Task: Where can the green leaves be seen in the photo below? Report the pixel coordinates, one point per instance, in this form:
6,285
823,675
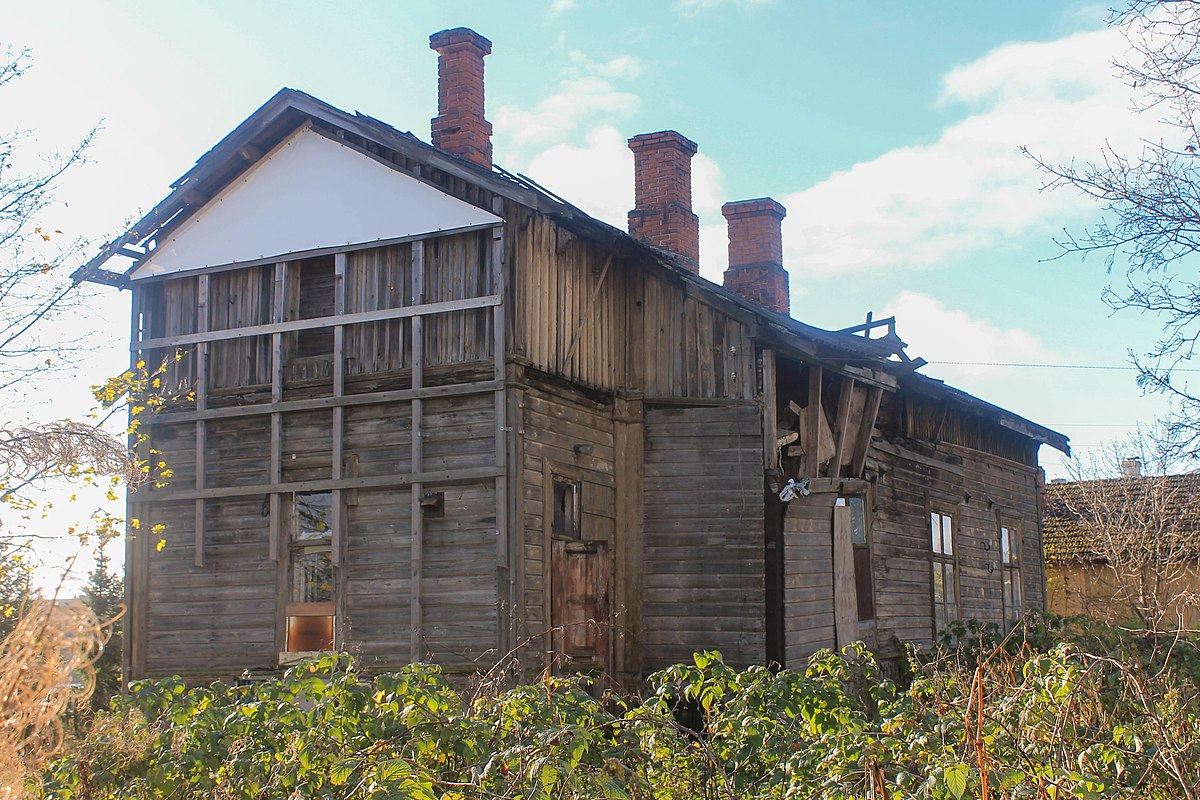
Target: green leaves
1060,723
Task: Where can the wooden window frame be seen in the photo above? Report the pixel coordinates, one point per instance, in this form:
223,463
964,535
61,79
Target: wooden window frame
940,561
865,601
1012,606
298,610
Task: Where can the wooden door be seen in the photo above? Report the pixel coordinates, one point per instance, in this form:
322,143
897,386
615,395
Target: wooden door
579,576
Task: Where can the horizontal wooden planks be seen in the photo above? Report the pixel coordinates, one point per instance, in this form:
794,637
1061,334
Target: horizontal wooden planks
704,570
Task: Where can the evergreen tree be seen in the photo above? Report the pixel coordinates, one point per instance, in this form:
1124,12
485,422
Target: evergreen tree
105,596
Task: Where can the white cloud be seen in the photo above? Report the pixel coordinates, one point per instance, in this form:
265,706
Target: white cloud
695,6
971,189
561,7
585,93
941,334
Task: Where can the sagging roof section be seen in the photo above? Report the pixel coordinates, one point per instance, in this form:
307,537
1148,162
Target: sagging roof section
881,358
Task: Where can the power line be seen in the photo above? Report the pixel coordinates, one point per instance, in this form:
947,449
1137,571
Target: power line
1116,367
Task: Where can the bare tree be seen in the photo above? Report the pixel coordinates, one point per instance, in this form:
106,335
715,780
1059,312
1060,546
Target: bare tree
1123,538
34,257
1150,227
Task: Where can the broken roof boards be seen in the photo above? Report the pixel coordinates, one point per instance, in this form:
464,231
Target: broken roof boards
310,192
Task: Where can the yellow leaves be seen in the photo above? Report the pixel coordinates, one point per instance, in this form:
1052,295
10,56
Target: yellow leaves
135,523
157,530
161,544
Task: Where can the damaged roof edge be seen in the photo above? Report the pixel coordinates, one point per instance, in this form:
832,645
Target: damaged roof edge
931,387
214,166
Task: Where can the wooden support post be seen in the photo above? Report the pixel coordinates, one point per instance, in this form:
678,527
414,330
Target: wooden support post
843,424
276,466
845,596
770,433
505,556
629,429
812,420
416,515
137,575
865,432
338,510
201,391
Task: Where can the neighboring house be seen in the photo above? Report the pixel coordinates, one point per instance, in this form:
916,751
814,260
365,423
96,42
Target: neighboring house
440,413
1125,549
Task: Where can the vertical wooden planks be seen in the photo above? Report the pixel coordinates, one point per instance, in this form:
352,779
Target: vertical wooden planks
201,390
845,597
277,312
770,434
629,434
813,414
415,514
338,456
505,558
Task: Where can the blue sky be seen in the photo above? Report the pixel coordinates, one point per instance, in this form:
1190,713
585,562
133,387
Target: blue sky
889,130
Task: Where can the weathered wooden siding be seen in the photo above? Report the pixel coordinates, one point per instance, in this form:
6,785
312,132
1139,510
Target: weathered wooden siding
704,572
552,422
208,606
808,607
977,489
611,324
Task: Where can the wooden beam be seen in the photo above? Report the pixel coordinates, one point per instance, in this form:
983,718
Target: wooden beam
372,398
866,431
812,425
201,391
841,426
845,596
317,323
416,515
770,434
339,388
447,477
506,551
276,465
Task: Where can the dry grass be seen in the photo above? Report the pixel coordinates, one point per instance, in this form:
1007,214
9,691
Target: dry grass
45,669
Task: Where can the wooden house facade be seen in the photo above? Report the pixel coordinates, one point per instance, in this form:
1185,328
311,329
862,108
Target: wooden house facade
433,411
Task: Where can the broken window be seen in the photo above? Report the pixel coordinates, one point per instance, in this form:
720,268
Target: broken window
567,523
945,577
310,609
863,578
1010,570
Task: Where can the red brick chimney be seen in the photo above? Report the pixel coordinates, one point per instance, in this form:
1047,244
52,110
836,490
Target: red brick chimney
662,189
756,252
459,127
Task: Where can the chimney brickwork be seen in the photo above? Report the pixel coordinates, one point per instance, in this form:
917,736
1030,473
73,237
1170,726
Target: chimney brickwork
662,180
459,127
756,252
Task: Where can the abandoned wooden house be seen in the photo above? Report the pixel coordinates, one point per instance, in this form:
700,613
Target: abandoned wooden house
437,412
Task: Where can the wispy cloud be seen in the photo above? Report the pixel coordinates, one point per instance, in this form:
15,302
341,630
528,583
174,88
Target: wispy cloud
586,94
558,7
696,6
970,189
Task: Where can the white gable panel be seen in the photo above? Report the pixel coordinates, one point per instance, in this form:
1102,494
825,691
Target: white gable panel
309,193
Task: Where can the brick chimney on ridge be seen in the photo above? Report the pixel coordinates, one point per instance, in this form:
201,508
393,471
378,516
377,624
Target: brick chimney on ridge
756,252
662,186
459,127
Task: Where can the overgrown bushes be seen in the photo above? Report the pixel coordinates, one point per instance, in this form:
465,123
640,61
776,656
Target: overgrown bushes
1047,712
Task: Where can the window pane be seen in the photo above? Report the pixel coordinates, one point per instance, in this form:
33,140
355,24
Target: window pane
1008,586
939,586
939,616
947,535
309,633
312,576
314,515
858,520
935,528
951,591
1016,591
566,510
1005,551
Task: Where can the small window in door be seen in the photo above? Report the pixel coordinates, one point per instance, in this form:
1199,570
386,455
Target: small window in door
566,522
